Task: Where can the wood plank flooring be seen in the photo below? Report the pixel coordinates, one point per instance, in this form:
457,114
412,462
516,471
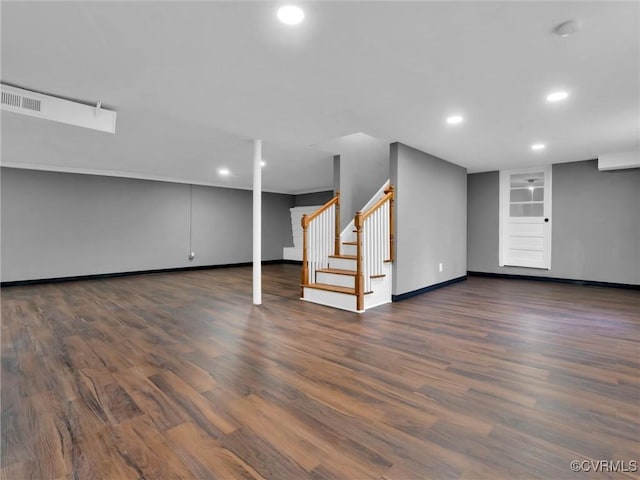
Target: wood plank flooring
179,376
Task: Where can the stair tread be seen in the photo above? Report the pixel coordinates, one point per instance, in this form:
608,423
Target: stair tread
342,271
334,288
338,271
348,257
331,288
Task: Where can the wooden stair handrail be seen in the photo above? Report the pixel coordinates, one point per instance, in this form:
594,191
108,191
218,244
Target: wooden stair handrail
335,199
389,196
306,221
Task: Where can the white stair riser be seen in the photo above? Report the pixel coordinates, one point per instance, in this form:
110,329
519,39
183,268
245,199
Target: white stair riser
380,291
336,279
348,249
342,263
331,299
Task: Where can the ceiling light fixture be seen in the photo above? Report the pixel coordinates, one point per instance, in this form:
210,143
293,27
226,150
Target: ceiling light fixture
455,119
538,146
224,171
531,187
263,163
557,96
290,14
567,28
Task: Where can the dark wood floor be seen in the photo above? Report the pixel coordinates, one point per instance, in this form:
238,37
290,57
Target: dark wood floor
178,376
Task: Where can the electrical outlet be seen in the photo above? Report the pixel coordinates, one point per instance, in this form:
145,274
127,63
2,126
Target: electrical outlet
439,267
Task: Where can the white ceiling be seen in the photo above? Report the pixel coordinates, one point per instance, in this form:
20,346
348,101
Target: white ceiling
193,83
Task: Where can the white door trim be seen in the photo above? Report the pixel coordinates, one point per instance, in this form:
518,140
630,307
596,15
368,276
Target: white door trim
503,201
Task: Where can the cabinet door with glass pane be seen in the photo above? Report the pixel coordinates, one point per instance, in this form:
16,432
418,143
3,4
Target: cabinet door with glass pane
525,218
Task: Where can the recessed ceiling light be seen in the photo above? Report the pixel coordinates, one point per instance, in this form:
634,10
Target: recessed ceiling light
224,171
538,146
557,96
263,163
290,14
453,119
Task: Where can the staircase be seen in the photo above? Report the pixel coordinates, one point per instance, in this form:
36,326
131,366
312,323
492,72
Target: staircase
349,270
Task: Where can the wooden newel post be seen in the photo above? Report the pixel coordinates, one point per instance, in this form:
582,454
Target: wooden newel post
336,243
392,236
304,273
359,223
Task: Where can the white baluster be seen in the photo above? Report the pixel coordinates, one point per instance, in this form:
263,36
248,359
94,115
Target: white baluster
367,253
331,217
319,251
365,257
371,235
378,240
374,234
327,237
310,252
321,239
379,259
385,238
374,241
376,255
315,249
324,238
326,234
385,231
371,231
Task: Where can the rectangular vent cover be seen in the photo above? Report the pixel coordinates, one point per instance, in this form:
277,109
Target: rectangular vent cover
31,104
19,102
48,107
11,99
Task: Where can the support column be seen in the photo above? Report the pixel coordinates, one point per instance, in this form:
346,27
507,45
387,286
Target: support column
257,222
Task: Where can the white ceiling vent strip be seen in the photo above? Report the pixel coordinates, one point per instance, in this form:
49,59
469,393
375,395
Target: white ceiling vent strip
25,102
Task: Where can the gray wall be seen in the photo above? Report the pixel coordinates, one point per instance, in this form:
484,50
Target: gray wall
60,225
595,230
431,219
360,169
311,199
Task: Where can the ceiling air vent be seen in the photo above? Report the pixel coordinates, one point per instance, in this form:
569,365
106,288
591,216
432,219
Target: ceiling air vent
11,99
31,104
17,101
47,107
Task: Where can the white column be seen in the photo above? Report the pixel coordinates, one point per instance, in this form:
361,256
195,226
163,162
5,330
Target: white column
257,222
